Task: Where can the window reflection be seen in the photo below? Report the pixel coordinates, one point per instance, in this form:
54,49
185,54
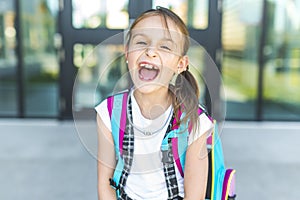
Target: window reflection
196,66
100,13
193,13
8,62
41,68
241,33
103,66
240,40
282,66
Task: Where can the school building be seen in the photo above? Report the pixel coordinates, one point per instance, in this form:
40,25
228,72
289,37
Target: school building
59,58
44,44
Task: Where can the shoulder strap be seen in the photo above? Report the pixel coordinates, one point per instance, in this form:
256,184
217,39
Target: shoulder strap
116,106
220,180
179,140
173,149
217,165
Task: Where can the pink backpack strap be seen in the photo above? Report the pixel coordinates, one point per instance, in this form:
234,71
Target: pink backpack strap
116,106
110,104
123,122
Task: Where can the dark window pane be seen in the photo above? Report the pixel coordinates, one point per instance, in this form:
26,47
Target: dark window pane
41,68
8,63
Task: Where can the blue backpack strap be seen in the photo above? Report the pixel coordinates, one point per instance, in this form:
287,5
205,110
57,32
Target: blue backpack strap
173,149
179,139
217,165
116,106
222,179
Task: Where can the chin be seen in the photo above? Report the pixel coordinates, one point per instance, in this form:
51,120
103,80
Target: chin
146,88
149,87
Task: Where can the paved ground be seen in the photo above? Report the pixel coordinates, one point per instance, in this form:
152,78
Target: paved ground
47,160
266,157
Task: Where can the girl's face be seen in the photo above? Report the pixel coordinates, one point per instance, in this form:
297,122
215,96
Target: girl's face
154,54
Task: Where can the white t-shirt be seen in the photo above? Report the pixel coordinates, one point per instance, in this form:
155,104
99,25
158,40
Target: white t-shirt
146,179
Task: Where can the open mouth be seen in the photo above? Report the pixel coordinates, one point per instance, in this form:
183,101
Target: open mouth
147,71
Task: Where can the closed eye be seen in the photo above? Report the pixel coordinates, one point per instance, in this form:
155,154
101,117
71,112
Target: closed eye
165,47
141,43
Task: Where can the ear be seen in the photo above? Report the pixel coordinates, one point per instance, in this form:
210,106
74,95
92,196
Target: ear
126,52
183,63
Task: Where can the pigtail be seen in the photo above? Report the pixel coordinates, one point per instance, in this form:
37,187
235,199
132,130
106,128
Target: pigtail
186,98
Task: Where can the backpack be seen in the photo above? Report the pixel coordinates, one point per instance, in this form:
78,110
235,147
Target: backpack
221,181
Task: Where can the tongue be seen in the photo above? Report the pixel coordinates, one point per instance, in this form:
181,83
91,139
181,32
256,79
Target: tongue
148,74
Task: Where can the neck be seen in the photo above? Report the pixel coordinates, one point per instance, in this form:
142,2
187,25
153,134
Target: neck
154,104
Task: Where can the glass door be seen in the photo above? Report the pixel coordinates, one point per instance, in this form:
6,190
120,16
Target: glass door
40,62
8,60
90,23
29,65
240,38
261,62
281,72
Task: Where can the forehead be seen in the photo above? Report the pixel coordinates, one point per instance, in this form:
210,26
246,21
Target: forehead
155,26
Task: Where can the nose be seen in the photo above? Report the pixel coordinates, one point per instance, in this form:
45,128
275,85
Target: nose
151,51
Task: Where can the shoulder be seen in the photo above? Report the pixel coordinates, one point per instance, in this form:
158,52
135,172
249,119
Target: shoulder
203,113
101,106
206,121
104,104
204,126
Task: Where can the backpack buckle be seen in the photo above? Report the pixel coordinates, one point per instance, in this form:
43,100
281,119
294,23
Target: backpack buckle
113,184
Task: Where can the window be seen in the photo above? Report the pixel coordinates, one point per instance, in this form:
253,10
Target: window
8,60
193,13
93,14
41,67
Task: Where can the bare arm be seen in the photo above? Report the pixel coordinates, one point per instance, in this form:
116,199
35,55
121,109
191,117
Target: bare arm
196,170
106,162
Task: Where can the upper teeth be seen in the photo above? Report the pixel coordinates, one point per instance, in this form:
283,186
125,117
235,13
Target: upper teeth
148,66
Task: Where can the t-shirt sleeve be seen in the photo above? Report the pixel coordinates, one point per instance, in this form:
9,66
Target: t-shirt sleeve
205,124
102,111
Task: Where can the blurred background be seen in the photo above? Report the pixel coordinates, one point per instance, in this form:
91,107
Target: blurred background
255,45
43,43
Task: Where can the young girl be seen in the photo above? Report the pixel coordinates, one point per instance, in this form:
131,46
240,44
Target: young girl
159,112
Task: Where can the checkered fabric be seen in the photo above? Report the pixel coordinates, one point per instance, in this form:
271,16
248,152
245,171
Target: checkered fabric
128,147
128,150
169,169
123,196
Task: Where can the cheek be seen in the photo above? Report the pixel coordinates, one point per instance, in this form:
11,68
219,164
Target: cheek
169,71
131,58
172,64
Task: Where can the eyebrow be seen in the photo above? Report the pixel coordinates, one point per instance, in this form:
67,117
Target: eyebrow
144,35
138,34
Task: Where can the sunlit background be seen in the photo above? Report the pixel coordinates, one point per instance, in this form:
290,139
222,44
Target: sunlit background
44,43
260,62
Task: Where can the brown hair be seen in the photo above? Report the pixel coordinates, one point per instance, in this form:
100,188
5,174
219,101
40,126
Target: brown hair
185,92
